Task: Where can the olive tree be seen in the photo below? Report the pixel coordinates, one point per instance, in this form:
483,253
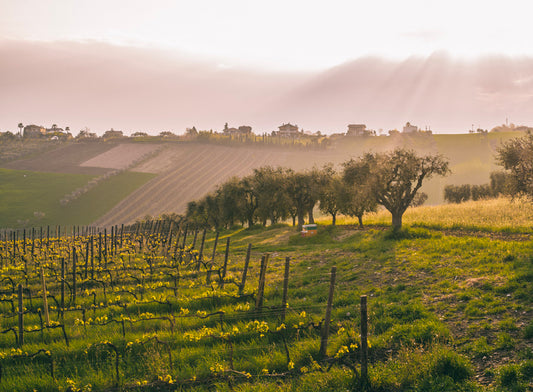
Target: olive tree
357,197
516,156
395,177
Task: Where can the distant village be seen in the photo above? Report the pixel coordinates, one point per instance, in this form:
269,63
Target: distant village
285,131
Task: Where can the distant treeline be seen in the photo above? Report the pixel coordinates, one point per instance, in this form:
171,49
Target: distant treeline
500,184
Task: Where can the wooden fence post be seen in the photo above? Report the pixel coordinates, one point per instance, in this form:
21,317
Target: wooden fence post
327,319
364,342
261,284
21,316
245,270
285,289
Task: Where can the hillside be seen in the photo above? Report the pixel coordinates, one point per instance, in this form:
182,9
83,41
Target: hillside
449,308
184,171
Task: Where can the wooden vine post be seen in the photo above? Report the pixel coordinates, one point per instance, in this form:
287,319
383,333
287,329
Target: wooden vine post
201,252
245,270
185,236
285,289
225,266
74,262
364,342
209,271
62,288
261,284
21,316
45,298
327,319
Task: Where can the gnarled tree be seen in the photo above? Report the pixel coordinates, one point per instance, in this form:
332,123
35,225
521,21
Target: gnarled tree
395,177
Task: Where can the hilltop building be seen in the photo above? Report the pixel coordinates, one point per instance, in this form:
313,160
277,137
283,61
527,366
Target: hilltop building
34,131
288,130
408,128
242,130
356,130
112,134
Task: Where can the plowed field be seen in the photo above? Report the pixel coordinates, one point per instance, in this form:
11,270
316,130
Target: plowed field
188,171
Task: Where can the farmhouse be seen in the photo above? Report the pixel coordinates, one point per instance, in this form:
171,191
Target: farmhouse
34,131
242,130
288,130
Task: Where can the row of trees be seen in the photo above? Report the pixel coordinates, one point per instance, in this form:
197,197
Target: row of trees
516,157
499,185
272,195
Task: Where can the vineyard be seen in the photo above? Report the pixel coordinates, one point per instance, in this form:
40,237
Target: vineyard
134,305
154,306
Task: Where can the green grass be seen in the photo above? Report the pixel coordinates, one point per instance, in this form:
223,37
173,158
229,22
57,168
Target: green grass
448,311
25,196
23,193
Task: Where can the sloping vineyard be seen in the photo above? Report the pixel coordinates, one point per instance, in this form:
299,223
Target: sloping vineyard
158,306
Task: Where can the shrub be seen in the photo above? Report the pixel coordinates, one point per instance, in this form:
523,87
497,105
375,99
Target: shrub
457,193
499,183
479,192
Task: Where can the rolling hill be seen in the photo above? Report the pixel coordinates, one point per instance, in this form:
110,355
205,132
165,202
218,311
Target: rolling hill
178,172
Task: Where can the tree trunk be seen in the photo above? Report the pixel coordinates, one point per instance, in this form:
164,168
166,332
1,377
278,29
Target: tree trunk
360,218
333,219
396,221
300,220
293,220
311,217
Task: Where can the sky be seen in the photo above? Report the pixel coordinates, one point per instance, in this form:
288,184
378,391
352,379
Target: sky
287,45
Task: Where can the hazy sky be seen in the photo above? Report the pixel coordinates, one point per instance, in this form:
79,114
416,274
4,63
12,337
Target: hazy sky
281,34
166,65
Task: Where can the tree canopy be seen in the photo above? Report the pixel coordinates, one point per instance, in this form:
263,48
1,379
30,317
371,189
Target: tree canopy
516,156
395,178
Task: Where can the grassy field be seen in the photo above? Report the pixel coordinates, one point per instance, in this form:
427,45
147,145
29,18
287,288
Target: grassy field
450,309
29,198
494,215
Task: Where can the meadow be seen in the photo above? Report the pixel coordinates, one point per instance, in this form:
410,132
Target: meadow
449,307
30,198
